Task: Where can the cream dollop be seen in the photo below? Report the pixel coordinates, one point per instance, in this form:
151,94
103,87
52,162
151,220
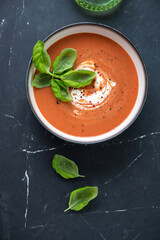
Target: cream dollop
89,99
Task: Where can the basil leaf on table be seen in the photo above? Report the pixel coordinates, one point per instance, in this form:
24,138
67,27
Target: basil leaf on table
65,167
42,80
80,197
64,61
41,59
60,90
78,78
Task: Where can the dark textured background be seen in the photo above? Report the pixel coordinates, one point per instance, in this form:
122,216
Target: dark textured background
126,169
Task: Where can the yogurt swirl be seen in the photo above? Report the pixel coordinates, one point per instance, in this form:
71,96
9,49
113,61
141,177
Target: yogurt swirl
93,96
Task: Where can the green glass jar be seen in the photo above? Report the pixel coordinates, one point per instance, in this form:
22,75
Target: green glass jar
99,6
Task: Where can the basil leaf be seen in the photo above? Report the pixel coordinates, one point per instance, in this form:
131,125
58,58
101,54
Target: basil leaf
60,90
80,197
65,167
78,78
55,63
42,80
41,59
65,61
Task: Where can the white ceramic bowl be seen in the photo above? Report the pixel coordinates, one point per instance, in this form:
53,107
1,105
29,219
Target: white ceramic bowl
125,44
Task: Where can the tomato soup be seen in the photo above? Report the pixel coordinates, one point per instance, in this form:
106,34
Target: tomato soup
101,106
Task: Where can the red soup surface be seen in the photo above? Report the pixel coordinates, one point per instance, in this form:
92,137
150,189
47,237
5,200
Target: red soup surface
101,106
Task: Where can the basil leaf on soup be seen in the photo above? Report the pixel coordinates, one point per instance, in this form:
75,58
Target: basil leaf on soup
55,63
41,59
80,197
65,61
42,80
60,90
65,167
78,78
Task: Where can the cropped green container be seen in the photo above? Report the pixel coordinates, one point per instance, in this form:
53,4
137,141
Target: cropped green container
99,7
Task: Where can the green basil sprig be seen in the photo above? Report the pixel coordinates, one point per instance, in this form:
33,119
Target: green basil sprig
55,63
65,61
60,90
42,80
78,78
80,197
61,74
41,59
65,167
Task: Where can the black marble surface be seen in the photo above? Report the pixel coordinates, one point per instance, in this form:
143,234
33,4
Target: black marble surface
126,169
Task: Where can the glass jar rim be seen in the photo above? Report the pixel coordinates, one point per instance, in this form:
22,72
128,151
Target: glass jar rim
97,7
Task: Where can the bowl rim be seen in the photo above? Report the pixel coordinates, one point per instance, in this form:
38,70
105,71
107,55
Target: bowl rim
90,141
